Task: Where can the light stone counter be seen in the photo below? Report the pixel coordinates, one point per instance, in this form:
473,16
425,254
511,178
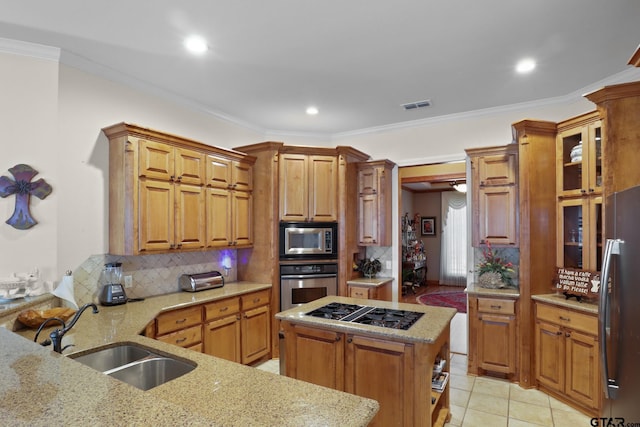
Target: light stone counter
477,291
559,299
426,330
373,282
40,387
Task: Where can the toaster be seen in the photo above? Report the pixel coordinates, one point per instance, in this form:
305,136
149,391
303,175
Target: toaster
201,281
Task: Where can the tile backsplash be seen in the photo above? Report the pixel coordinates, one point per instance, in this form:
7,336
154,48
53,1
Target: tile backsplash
151,274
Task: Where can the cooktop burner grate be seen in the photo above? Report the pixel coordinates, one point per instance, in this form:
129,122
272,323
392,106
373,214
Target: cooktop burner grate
374,316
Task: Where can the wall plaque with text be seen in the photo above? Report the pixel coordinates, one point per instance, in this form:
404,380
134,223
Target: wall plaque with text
578,283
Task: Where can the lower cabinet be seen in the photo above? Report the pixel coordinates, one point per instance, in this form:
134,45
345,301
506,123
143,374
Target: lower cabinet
492,336
235,328
567,360
238,328
395,373
381,292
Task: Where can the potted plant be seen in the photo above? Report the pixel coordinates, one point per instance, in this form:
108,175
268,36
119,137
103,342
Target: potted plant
370,267
494,271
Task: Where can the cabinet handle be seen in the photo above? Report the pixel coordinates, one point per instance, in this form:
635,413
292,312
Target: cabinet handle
181,321
568,335
179,245
591,190
256,300
172,246
237,317
178,341
337,338
172,178
559,333
223,309
349,340
179,178
496,307
566,319
582,190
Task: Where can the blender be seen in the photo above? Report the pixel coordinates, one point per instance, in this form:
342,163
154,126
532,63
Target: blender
112,291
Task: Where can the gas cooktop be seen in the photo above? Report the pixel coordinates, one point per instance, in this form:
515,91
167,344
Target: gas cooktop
366,315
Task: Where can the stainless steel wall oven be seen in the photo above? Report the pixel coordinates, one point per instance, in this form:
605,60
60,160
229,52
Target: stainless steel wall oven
301,283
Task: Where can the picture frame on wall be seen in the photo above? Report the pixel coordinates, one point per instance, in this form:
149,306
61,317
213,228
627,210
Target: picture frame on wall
428,226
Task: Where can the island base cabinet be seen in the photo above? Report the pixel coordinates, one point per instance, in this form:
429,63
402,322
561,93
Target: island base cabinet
394,390
397,374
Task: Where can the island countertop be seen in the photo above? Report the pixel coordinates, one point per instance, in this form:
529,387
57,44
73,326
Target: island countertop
426,330
40,387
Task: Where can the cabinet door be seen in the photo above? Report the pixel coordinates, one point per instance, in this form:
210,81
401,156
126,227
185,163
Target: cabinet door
219,231
323,186
222,338
579,233
187,338
497,216
190,216
294,187
189,167
582,378
218,172
368,181
156,160
368,221
394,390
156,215
497,343
359,292
242,176
550,355
256,330
242,218
498,169
315,355
580,174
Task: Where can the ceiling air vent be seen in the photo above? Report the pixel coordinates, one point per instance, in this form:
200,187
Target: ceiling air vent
417,104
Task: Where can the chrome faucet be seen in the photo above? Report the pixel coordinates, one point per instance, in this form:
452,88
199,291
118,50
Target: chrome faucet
57,334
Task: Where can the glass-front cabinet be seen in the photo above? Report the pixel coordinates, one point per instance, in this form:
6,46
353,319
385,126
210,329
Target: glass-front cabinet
580,233
579,156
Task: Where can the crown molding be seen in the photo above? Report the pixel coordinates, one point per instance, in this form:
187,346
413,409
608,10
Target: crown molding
32,50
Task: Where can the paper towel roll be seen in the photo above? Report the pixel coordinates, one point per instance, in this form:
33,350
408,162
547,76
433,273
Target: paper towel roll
64,290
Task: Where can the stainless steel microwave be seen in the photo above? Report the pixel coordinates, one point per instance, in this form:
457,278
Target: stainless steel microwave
308,240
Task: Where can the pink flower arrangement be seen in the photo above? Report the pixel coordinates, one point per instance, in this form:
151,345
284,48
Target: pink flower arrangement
493,263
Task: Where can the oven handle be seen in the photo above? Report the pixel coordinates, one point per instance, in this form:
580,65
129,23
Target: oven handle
308,276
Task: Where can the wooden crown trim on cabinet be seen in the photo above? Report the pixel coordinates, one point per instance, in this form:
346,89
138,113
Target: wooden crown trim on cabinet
143,168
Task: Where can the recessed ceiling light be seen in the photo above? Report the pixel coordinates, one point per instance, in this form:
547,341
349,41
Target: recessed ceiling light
525,65
312,111
196,44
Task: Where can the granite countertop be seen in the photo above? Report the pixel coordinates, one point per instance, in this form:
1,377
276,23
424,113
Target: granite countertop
560,300
426,330
373,281
477,291
40,387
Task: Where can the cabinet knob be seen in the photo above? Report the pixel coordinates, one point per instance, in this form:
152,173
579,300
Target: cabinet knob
349,340
337,338
179,178
559,333
565,319
496,307
591,190
178,341
568,335
583,191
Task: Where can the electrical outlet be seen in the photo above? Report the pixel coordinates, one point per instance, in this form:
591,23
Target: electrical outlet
128,281
387,265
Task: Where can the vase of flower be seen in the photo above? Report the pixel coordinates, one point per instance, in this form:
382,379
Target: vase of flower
494,272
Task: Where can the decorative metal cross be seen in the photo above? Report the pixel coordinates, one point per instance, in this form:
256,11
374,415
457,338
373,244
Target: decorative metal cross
22,187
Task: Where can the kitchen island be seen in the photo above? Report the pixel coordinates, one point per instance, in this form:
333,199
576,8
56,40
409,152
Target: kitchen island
40,387
392,366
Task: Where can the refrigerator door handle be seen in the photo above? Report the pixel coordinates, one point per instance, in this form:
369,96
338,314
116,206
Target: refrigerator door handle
611,248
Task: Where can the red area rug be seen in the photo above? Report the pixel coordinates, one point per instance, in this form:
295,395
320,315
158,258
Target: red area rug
455,299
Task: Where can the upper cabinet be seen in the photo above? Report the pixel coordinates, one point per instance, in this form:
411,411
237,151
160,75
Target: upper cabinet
579,145
494,195
160,193
308,187
374,203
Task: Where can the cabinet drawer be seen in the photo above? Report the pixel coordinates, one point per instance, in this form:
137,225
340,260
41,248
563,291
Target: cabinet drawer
178,319
184,338
357,292
587,323
224,307
494,305
255,299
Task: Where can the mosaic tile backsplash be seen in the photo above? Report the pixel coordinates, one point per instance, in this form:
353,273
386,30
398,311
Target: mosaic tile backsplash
151,274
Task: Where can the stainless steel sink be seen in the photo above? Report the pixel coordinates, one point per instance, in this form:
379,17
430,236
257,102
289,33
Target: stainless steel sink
108,358
135,365
149,373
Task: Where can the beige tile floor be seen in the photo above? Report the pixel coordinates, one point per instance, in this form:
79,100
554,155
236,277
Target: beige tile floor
489,402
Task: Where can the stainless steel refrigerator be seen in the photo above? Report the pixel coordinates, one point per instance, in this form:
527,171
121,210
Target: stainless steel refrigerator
619,308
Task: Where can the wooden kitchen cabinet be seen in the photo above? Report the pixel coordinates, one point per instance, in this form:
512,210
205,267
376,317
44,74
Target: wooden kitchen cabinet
374,203
494,195
229,203
395,373
380,292
180,327
238,328
492,335
567,359
158,190
579,191
308,187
